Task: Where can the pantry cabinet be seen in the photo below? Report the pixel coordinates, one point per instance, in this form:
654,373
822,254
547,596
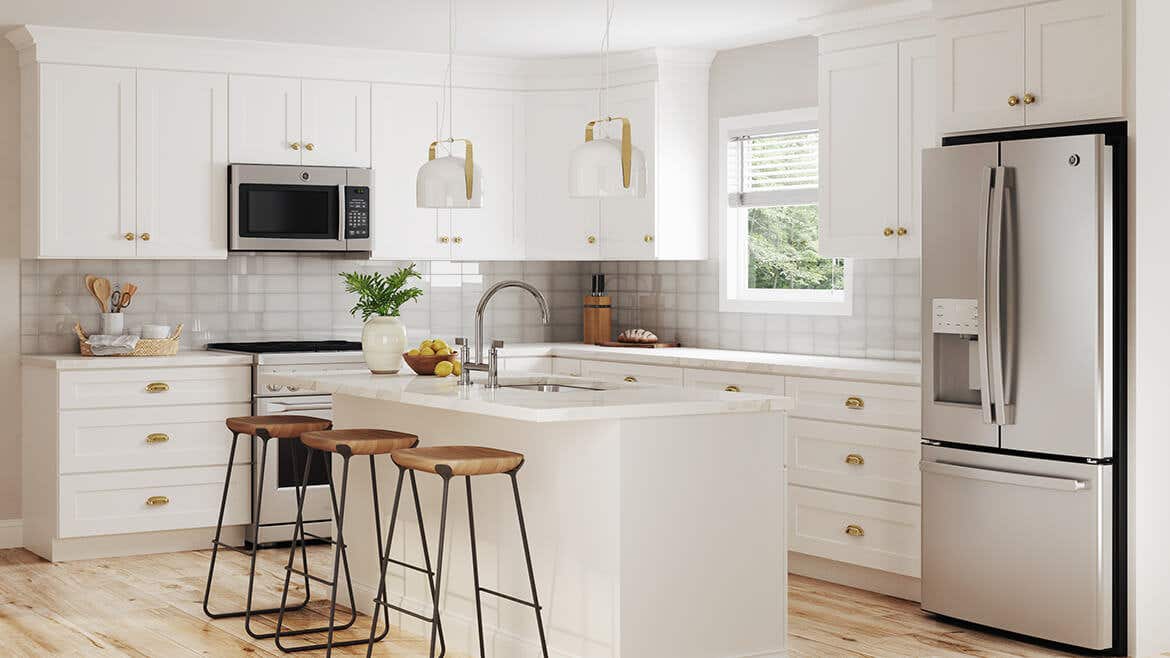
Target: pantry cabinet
300,122
1037,64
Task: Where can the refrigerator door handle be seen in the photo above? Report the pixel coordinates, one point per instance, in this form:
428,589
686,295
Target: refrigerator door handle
994,283
985,394
1003,477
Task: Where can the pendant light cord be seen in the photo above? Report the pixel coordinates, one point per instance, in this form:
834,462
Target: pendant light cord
603,93
447,110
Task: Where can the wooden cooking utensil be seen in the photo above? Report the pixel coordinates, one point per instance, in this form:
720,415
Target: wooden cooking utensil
101,291
89,281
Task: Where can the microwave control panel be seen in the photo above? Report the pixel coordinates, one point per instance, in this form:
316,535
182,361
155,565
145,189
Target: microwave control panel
357,212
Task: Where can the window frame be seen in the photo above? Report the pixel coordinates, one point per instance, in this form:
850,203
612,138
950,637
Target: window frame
734,295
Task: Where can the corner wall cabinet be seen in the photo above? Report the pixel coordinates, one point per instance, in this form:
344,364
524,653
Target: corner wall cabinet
1030,65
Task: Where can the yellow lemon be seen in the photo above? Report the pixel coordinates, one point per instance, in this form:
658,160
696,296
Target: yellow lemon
444,368
457,368
437,345
426,351
425,344
442,351
413,352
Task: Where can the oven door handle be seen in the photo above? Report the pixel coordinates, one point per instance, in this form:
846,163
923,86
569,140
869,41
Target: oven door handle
284,406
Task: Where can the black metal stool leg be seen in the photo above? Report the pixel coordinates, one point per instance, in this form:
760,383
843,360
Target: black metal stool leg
227,481
528,560
475,568
384,561
297,532
381,592
346,455
422,533
444,471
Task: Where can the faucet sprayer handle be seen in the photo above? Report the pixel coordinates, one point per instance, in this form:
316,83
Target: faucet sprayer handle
497,344
461,341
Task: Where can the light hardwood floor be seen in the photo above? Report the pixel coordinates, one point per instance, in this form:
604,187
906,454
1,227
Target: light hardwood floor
151,606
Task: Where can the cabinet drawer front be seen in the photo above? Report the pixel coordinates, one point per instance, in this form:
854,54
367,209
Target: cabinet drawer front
570,367
871,533
154,387
738,382
115,503
522,364
861,403
870,461
161,437
632,373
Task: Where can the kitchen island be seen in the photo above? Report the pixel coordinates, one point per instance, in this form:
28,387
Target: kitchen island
655,514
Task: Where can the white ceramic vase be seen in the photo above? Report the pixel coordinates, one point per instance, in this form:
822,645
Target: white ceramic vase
383,342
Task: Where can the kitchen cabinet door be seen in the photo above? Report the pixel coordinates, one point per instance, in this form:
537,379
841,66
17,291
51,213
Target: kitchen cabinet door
859,152
405,121
1073,59
916,131
981,69
627,225
494,122
182,164
264,115
86,186
556,226
335,123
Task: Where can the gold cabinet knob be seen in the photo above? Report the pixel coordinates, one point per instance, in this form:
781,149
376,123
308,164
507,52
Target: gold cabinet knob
648,238
157,437
458,239
296,146
592,239
887,231
144,236
129,237
444,239
731,389
157,387
854,459
1029,99
902,230
155,501
854,402
1013,100
854,530
630,379
309,146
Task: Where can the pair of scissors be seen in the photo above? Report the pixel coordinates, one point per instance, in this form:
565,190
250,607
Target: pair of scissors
120,300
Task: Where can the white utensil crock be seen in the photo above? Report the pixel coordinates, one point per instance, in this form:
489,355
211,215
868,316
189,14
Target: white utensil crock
112,324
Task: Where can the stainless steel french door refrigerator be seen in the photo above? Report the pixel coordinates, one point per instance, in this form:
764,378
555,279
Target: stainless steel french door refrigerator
1020,376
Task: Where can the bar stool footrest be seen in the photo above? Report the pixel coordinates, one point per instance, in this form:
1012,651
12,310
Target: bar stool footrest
412,613
509,597
318,579
408,565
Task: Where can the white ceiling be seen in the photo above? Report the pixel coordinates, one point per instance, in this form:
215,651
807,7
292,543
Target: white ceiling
524,28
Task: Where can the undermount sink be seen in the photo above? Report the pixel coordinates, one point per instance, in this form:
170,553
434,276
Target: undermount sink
550,388
556,385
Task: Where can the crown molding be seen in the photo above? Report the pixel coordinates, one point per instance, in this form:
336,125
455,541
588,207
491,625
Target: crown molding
874,16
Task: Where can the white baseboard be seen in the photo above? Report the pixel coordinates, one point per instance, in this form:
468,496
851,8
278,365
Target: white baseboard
139,543
851,575
12,533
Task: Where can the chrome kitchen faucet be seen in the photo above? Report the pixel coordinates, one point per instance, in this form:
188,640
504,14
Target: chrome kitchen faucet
492,364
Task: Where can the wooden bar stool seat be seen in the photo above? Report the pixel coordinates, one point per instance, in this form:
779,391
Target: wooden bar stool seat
277,427
462,460
359,441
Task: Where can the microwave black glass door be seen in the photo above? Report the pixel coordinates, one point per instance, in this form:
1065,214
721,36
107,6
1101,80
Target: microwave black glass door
289,211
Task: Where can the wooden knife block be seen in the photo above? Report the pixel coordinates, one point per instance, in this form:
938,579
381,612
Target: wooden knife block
598,317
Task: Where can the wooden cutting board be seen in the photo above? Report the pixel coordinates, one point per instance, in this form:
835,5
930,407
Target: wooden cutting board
614,343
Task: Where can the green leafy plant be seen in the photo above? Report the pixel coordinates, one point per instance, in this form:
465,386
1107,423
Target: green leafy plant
379,294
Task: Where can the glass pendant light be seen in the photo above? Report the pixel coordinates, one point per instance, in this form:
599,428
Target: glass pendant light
607,167
449,181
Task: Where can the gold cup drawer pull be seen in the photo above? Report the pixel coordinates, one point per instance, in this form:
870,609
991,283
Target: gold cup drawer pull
854,530
854,402
157,387
630,379
157,437
731,389
854,459
155,501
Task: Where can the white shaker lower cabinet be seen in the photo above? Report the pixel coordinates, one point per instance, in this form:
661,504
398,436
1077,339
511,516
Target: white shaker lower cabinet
631,373
113,457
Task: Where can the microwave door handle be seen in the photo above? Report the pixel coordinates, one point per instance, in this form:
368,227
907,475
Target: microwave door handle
341,215
981,302
995,320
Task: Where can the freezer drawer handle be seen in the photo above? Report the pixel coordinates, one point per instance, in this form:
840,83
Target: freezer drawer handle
1003,477
854,530
854,402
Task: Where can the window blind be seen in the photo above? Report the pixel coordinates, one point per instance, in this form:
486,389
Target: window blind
772,169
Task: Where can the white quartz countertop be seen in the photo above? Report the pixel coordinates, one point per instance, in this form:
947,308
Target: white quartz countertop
183,358
768,363
616,401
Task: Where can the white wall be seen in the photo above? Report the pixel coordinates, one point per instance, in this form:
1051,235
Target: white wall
9,283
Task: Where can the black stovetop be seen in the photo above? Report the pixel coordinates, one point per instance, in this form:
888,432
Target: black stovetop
274,346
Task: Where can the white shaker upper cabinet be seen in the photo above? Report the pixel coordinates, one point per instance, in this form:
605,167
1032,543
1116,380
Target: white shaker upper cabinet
627,225
82,173
981,73
1073,61
265,115
494,122
916,131
335,123
557,227
859,152
405,122
182,164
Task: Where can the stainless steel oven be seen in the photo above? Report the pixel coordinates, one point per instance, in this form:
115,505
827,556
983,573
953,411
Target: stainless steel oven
290,208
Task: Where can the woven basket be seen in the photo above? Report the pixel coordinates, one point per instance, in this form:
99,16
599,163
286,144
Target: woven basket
145,347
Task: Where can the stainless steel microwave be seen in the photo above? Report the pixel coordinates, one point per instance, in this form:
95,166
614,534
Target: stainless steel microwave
290,208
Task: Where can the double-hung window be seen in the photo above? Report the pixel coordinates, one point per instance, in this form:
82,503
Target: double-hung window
770,221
